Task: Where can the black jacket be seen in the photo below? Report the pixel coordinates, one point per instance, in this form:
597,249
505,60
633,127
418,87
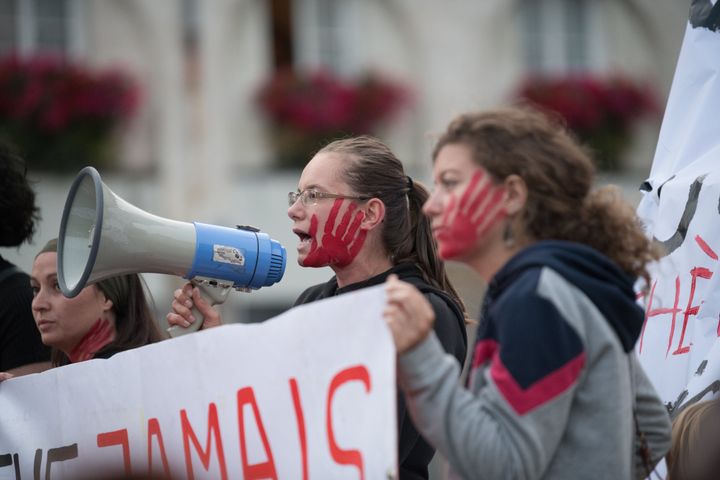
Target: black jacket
414,453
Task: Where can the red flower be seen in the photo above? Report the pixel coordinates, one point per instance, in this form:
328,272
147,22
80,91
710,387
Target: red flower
599,110
321,103
50,93
58,112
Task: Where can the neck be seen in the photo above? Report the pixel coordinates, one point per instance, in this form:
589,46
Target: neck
364,266
491,261
101,333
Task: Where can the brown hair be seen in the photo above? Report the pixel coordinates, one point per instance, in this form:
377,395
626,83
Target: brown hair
373,170
559,175
134,323
695,450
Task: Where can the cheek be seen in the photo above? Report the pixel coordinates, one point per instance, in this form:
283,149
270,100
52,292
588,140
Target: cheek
80,315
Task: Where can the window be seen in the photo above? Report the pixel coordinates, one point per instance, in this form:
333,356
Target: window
326,34
38,25
562,35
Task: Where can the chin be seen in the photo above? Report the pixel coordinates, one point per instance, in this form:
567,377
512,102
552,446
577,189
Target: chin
49,340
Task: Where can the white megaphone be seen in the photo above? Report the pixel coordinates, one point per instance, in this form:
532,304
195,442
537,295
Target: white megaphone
102,235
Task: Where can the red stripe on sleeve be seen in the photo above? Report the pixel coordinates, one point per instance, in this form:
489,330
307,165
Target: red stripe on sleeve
540,392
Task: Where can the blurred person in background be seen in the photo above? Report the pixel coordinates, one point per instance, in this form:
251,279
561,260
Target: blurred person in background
21,350
356,212
695,450
107,317
555,389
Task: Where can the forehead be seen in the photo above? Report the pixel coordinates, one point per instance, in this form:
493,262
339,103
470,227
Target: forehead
455,157
325,170
45,265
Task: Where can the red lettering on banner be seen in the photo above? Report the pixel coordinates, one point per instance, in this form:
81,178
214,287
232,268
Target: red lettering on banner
154,430
691,309
189,434
661,311
246,396
295,391
705,247
345,457
118,437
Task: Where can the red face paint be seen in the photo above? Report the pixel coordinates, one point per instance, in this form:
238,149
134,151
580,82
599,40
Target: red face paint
467,219
97,337
340,247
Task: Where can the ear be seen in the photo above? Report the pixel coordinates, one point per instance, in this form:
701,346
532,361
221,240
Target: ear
516,194
107,304
374,214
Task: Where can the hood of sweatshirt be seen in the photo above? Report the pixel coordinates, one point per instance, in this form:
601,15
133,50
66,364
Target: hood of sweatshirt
598,277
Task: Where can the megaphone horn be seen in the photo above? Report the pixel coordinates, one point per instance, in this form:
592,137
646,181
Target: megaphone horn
102,235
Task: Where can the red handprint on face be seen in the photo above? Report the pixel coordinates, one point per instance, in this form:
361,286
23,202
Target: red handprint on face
97,337
341,247
469,218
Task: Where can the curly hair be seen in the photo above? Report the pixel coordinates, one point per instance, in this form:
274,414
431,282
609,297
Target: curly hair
559,176
18,210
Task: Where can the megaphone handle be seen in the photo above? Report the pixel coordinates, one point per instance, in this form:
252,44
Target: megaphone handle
212,295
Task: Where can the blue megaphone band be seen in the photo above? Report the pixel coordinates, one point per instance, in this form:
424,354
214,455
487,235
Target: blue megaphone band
244,257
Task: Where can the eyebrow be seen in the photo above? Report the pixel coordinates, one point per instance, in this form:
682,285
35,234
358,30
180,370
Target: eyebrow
51,277
449,171
312,187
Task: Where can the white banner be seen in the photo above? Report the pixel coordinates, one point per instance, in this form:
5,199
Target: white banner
680,343
308,394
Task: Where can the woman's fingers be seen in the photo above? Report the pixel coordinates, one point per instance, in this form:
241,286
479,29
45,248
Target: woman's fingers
211,317
181,314
187,298
174,319
5,376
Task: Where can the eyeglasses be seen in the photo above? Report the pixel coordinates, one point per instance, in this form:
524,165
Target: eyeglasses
311,197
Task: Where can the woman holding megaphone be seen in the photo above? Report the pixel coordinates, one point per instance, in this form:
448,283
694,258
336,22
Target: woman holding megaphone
357,212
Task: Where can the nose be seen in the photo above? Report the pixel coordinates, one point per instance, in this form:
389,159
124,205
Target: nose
39,302
433,205
296,210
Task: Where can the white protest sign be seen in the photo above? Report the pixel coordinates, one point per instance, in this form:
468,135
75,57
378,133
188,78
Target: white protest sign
680,343
308,394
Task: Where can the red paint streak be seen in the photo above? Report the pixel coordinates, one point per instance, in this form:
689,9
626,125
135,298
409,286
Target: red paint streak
118,437
295,391
246,396
341,247
705,247
345,457
97,337
691,309
154,430
550,386
468,219
649,312
213,432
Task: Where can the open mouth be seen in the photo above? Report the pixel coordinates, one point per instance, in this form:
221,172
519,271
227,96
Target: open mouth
304,237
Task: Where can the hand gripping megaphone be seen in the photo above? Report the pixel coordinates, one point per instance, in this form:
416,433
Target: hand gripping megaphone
102,235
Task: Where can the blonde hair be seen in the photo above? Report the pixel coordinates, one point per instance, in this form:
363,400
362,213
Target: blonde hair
695,450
